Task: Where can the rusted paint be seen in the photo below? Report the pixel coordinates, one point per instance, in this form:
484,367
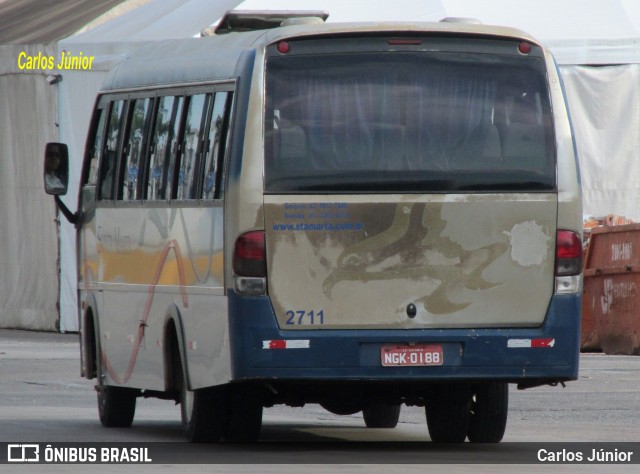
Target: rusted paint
611,298
589,341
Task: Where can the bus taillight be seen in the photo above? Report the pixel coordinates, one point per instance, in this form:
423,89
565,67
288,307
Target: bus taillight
568,262
524,47
249,264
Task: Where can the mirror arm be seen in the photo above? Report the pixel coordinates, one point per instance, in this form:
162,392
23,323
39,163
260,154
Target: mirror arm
73,218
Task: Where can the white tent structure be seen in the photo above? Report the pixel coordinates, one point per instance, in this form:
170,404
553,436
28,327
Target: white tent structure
37,256
596,44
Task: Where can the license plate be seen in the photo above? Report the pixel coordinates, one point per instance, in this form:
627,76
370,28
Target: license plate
411,356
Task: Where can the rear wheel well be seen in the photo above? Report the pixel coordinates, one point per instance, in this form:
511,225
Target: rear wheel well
90,346
172,362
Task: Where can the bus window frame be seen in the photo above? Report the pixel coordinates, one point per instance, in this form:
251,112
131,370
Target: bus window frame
225,146
198,159
106,101
221,151
147,127
118,151
152,150
101,109
175,159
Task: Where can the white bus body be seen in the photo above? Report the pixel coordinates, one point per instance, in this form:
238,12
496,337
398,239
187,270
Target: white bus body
356,215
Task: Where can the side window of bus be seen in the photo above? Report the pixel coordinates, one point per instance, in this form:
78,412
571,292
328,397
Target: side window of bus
164,147
134,151
96,146
213,166
112,144
192,147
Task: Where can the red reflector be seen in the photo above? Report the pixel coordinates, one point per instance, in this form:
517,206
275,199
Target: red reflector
524,47
283,47
568,245
278,344
549,342
249,255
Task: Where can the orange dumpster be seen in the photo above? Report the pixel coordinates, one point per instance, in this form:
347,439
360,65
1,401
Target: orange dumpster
611,300
589,340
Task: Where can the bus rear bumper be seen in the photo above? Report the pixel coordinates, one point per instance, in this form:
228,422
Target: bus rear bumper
528,356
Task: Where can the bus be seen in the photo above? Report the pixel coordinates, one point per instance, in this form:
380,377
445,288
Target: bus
360,216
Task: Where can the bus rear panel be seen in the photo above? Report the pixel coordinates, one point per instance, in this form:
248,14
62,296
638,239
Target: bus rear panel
413,229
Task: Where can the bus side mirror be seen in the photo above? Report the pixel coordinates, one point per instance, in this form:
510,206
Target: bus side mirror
56,169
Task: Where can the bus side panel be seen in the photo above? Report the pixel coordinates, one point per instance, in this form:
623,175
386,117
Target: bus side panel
569,184
87,261
244,183
154,263
130,355
206,341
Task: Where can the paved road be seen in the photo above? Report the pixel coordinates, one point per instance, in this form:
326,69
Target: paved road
43,399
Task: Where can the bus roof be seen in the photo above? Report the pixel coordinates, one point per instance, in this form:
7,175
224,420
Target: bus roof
194,60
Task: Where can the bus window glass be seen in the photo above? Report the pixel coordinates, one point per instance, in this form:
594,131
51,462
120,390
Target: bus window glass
408,122
135,149
165,145
112,140
95,149
192,147
213,163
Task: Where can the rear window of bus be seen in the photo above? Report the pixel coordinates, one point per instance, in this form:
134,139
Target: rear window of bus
408,121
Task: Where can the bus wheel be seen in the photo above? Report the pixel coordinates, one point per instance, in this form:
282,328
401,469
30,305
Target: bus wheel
381,415
244,414
346,406
489,408
448,412
116,406
202,411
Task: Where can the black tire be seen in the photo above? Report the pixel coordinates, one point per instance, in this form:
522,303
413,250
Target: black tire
448,412
244,414
347,406
116,406
202,411
489,410
381,415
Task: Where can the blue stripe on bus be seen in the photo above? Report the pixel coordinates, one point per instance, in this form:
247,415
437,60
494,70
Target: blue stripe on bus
355,354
